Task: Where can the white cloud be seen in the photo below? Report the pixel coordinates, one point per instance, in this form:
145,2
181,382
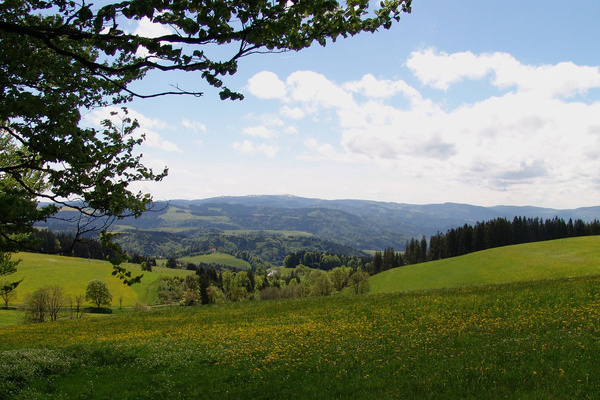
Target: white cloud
154,139
194,126
260,131
248,148
290,130
534,135
316,151
294,113
370,86
151,29
271,120
316,91
266,85
440,70
146,128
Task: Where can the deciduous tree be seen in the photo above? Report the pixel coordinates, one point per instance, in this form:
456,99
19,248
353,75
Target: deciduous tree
97,292
59,59
7,288
360,282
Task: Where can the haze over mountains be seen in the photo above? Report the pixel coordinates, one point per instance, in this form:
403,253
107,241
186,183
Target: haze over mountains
359,223
414,219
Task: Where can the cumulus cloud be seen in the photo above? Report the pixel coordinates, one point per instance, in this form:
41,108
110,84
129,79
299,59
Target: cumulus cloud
372,87
295,113
151,29
194,126
530,129
315,90
525,171
440,70
147,28
266,85
249,148
316,151
260,131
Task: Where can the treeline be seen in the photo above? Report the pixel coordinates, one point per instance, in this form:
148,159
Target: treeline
65,244
484,235
209,286
260,248
382,261
502,232
323,261
495,233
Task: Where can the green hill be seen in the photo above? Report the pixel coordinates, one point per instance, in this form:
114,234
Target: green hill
525,262
220,259
528,340
72,275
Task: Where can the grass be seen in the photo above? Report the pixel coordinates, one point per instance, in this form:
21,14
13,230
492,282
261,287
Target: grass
10,316
181,215
531,340
72,275
527,340
526,262
218,258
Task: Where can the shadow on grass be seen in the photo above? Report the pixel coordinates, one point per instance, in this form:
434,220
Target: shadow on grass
101,310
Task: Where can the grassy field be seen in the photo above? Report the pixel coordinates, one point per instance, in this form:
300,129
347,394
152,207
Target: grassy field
532,261
218,258
534,340
73,274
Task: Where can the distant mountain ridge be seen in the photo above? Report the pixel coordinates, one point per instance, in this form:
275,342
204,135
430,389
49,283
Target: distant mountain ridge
455,213
361,224
396,220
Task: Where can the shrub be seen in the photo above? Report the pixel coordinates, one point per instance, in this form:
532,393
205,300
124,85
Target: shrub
189,298
44,303
270,293
139,307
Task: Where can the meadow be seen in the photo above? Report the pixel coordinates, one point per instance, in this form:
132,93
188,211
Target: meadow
72,275
219,259
525,262
531,340
535,339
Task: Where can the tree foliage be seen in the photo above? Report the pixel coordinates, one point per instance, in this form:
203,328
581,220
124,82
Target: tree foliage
97,292
44,302
8,267
61,58
494,233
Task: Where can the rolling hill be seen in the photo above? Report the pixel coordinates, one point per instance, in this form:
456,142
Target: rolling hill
72,275
360,224
525,262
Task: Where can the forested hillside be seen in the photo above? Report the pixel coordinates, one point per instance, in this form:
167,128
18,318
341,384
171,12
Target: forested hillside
484,235
254,248
274,226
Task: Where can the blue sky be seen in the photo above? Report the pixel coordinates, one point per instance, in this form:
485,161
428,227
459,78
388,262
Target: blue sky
479,102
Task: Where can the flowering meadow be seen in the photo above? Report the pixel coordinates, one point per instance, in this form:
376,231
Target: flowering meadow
531,340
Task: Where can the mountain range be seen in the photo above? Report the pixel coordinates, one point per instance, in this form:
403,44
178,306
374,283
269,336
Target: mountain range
361,224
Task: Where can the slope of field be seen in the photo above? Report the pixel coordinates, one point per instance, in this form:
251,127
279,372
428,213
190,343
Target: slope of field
218,258
72,275
525,262
529,340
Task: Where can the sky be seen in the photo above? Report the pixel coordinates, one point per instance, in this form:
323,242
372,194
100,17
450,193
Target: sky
479,102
